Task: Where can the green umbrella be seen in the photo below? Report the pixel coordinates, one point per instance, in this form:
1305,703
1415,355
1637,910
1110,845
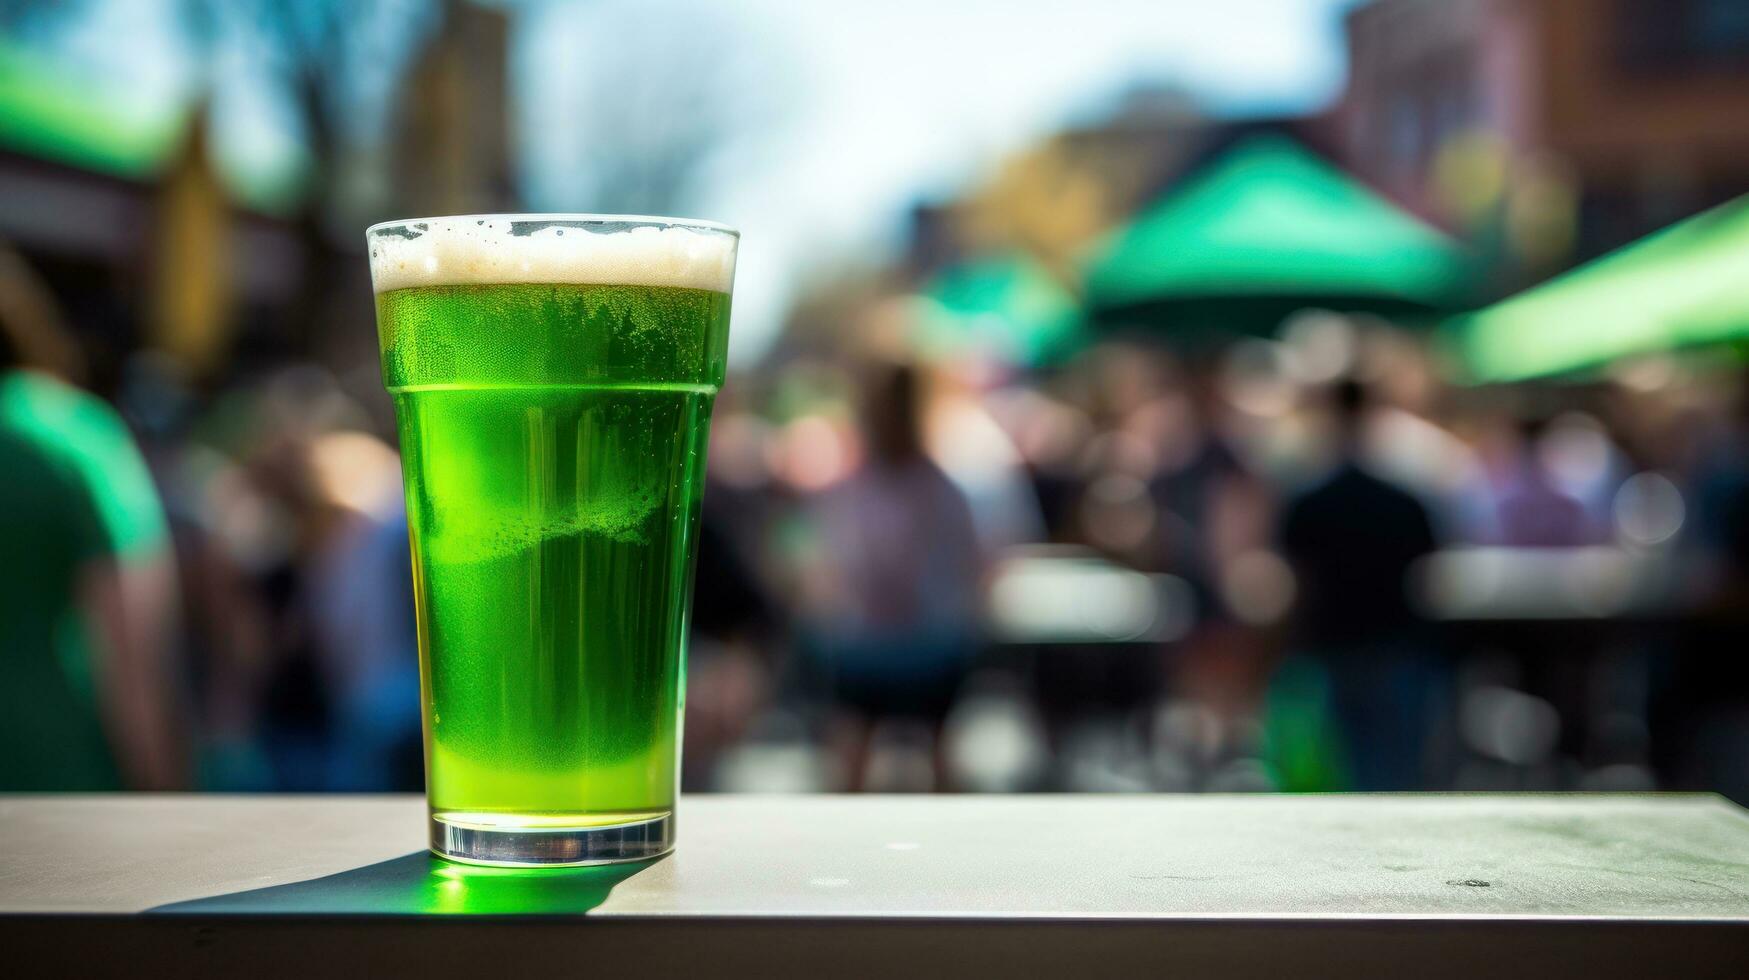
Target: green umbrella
1266,229
1007,305
1687,284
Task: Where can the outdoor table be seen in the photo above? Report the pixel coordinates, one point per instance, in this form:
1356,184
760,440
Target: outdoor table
1587,886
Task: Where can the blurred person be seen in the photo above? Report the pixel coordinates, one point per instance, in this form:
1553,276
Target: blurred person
363,607
1718,480
359,583
895,579
1085,689
1412,438
1352,540
312,490
976,453
86,583
1217,516
1699,712
1533,509
1584,459
1048,434
1214,507
728,658
222,640
224,648
736,628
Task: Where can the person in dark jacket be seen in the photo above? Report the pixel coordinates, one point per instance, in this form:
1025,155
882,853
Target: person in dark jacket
1352,540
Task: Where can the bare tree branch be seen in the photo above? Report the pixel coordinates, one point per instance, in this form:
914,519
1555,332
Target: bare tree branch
662,98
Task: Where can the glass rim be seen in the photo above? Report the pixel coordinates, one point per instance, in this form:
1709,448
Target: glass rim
574,219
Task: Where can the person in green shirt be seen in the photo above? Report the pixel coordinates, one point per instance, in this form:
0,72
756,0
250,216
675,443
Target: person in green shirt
86,581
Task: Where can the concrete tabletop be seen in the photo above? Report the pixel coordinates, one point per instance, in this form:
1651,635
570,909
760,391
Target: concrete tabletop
1100,885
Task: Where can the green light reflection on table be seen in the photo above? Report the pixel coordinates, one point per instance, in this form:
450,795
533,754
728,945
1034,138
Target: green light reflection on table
420,884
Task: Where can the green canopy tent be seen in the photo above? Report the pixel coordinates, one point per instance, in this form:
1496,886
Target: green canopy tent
1267,229
1683,286
1006,305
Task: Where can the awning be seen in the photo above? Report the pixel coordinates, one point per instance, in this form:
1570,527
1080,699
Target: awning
1266,229
1685,285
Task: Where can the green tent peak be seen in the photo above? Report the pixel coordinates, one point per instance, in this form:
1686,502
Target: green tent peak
1270,224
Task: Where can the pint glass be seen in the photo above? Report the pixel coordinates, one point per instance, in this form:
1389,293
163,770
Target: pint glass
552,377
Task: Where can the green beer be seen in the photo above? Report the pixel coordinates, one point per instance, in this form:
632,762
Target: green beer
553,437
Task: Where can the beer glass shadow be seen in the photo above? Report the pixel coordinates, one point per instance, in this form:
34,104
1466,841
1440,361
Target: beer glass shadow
420,884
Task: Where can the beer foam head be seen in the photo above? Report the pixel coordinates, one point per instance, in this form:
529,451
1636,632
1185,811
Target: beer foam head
502,249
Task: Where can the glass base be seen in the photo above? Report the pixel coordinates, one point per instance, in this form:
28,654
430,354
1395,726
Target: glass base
550,846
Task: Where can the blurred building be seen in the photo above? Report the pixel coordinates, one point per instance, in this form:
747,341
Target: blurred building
109,203
1053,200
452,151
1562,128
150,236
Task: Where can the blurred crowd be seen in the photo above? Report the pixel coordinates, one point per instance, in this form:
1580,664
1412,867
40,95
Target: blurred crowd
1297,562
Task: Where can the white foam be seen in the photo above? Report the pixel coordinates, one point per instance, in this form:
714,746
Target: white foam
477,250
